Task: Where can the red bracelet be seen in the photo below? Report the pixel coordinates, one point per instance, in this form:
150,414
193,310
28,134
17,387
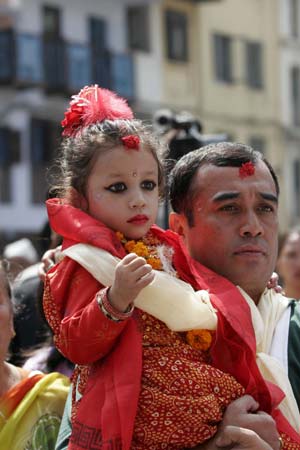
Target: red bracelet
108,310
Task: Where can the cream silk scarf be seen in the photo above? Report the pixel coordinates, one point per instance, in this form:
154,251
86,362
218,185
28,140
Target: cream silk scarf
167,298
175,303
265,317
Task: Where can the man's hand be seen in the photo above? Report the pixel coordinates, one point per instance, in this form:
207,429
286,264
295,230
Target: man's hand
241,439
244,413
131,276
49,259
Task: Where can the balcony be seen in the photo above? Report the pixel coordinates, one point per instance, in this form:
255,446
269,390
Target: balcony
28,60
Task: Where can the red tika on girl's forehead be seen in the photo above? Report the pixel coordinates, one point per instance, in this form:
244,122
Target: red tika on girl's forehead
132,141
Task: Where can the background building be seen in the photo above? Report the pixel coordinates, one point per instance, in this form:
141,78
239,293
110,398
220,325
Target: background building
234,64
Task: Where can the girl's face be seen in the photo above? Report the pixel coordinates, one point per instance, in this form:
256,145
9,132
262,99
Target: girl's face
122,190
288,264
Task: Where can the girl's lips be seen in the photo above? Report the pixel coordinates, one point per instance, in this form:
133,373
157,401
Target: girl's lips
139,219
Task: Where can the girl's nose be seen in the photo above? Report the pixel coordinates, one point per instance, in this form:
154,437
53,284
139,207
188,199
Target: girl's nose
137,202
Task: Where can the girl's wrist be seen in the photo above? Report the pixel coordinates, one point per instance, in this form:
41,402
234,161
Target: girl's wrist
110,311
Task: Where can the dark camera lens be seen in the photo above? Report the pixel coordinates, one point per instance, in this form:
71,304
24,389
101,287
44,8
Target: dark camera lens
163,120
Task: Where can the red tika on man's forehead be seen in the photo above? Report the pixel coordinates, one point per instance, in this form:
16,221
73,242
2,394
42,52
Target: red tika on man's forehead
247,170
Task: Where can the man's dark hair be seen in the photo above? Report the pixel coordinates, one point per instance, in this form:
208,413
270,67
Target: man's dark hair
222,154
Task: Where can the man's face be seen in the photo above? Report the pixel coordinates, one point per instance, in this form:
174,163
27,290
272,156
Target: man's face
235,225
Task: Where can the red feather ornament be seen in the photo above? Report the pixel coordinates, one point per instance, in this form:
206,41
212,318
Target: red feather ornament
93,104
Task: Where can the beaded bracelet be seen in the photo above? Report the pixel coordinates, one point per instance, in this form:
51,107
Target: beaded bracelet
108,310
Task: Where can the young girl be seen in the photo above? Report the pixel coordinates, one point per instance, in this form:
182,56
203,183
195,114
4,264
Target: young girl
143,373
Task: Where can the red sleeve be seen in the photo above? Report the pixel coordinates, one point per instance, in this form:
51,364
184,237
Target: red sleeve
81,331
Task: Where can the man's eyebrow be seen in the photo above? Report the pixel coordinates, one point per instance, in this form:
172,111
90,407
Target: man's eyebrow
225,196
270,197
222,196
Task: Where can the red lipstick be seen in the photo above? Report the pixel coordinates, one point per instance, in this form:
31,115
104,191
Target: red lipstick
139,219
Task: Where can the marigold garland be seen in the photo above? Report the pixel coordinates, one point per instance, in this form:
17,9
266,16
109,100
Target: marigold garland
147,248
199,339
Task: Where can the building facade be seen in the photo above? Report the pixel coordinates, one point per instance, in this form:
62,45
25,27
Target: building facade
233,64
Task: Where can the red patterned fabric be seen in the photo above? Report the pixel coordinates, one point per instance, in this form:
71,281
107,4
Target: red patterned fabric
177,386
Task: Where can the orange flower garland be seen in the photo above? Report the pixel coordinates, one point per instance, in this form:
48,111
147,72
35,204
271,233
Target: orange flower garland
147,248
199,339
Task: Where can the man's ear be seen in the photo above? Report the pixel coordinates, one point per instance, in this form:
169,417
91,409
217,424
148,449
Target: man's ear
177,223
76,199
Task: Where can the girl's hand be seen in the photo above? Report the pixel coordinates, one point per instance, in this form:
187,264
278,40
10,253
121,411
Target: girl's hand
131,276
273,283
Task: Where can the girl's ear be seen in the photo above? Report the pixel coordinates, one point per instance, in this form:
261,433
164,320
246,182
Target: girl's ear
76,199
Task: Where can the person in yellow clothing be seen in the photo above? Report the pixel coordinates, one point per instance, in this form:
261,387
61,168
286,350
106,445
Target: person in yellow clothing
31,403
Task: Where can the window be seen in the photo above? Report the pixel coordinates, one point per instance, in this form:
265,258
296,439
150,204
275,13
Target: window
79,66
100,61
296,173
98,34
295,95
6,56
177,35
138,28
254,76
44,142
122,75
9,155
29,57
223,58
294,18
51,21
258,143
54,57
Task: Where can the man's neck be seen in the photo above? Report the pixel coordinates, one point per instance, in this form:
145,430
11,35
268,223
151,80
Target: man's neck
254,294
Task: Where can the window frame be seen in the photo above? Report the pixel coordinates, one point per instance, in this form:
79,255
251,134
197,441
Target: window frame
223,57
176,20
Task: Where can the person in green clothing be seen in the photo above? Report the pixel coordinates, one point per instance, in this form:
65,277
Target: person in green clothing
293,349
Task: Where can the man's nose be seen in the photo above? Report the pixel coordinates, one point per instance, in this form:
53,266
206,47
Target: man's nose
251,225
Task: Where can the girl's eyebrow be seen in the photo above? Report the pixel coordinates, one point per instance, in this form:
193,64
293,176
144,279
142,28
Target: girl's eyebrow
120,174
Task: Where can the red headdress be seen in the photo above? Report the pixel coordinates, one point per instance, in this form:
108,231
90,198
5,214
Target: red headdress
93,104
